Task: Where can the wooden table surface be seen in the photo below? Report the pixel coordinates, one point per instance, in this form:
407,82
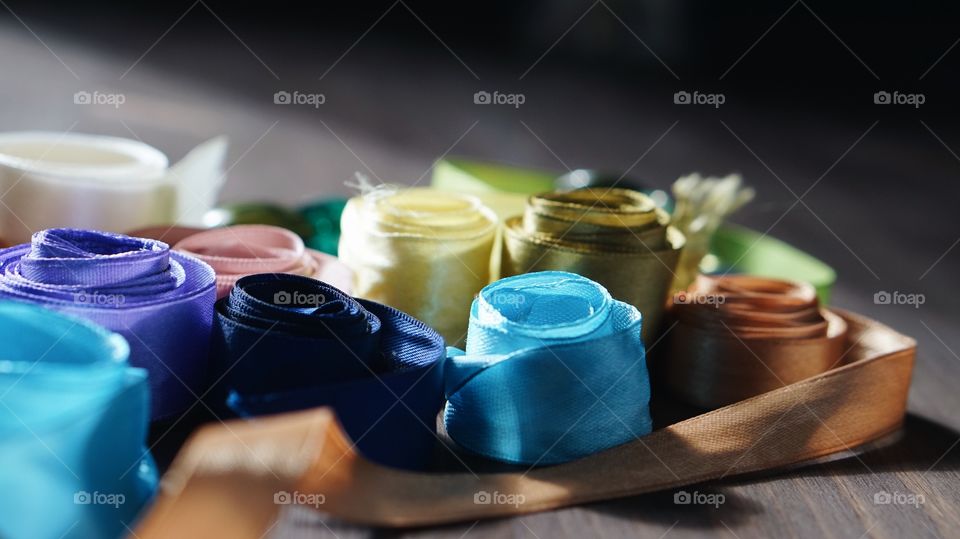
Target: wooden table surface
879,203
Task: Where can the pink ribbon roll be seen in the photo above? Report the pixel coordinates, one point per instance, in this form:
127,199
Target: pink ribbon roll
240,250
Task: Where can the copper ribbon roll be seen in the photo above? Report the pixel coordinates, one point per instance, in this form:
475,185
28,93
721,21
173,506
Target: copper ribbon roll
616,237
220,486
738,336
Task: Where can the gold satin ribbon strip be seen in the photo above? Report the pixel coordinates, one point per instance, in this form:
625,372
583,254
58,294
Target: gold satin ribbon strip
423,251
220,486
738,336
616,237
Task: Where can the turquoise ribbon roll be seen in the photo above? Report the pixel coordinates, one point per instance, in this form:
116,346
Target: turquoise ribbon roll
73,419
554,370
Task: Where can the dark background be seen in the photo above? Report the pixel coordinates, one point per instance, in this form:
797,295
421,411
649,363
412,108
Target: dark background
599,80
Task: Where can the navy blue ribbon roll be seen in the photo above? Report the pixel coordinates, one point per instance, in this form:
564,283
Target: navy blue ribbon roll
286,342
160,301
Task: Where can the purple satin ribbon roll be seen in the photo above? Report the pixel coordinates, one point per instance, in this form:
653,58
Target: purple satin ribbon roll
160,301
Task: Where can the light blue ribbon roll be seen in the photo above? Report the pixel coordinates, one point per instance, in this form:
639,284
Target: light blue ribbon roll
554,370
73,420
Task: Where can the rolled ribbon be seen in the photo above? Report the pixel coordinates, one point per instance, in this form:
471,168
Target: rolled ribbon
286,342
240,250
616,237
576,179
423,251
73,422
554,370
161,302
226,479
733,249
728,326
54,180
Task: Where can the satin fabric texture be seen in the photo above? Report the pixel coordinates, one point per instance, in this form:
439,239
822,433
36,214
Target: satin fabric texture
160,301
240,250
734,249
286,342
554,370
324,216
224,481
616,237
72,428
723,326
422,251
52,180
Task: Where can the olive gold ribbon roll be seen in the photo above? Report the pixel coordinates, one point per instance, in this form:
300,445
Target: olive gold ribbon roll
738,336
616,237
423,251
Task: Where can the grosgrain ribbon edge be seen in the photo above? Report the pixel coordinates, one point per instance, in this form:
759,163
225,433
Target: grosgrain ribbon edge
877,380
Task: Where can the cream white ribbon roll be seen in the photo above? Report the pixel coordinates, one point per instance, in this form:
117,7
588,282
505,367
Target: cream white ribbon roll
53,180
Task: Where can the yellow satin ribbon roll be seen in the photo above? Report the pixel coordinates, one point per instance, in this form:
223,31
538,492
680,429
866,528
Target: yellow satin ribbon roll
423,251
616,237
